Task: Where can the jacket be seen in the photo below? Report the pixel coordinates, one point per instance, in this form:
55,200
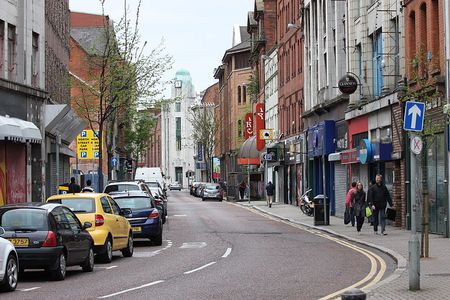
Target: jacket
378,196
348,198
359,203
269,189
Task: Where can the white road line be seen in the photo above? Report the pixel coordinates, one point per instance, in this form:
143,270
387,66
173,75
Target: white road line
106,268
30,289
179,216
198,269
132,289
227,253
112,267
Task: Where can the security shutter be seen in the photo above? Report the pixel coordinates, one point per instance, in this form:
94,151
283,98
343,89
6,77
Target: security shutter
340,188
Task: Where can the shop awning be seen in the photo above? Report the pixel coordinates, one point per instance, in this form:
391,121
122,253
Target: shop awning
248,155
14,129
61,120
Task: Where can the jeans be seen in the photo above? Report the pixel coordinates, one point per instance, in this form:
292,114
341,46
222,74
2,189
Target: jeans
379,214
359,223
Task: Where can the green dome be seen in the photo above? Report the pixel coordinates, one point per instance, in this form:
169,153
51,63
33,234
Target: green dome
183,75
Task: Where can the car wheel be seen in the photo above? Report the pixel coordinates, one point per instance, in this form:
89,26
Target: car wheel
9,282
88,265
157,239
106,255
59,273
128,251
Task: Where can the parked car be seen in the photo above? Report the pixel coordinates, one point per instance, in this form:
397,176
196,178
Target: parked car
145,220
199,190
193,187
125,186
175,186
160,200
9,264
111,231
48,236
212,191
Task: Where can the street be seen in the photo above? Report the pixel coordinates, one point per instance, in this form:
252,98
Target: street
217,250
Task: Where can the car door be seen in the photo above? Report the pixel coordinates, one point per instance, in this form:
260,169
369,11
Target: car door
81,243
112,222
65,234
123,222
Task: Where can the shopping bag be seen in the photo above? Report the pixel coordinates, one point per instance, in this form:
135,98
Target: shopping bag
368,212
347,215
391,214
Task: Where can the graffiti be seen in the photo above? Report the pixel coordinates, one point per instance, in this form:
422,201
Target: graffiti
16,173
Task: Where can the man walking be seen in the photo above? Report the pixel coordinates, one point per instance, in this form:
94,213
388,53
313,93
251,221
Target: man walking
378,197
269,192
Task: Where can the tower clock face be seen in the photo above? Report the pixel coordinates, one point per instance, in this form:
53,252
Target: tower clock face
178,83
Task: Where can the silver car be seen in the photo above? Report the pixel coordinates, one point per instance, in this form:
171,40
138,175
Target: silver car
212,191
9,265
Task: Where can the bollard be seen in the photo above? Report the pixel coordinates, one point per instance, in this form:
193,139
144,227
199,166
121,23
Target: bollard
353,294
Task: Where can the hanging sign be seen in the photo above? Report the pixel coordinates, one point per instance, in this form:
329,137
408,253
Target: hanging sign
248,125
260,124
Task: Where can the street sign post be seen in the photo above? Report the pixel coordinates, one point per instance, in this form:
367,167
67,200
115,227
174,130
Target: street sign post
414,116
114,161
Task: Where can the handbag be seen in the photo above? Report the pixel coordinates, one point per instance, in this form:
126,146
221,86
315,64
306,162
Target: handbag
391,214
347,215
368,212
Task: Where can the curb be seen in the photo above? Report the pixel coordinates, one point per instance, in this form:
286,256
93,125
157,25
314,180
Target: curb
397,257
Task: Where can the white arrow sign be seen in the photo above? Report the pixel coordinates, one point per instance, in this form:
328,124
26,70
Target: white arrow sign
415,112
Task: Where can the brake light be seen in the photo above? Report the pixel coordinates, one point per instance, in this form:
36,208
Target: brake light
99,220
154,215
50,240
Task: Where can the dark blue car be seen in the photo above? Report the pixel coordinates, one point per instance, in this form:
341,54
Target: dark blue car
145,220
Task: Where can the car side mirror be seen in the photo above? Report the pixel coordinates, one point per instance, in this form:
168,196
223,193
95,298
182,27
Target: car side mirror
2,231
126,212
87,225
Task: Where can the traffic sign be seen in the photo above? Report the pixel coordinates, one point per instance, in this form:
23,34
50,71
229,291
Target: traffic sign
268,156
114,161
416,145
414,116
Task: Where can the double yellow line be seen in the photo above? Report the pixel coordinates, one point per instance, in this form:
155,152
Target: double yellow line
377,268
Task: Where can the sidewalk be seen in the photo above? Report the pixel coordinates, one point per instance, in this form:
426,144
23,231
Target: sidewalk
435,271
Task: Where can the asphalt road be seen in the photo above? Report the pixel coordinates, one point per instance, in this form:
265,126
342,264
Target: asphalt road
213,250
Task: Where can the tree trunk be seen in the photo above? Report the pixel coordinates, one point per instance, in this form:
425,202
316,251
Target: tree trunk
100,159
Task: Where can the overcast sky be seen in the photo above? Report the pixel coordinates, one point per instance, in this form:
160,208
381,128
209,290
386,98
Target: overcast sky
196,33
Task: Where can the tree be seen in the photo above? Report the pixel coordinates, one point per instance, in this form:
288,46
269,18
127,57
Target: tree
204,130
122,75
138,135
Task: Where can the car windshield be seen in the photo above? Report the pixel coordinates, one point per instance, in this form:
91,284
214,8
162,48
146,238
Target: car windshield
24,219
134,202
77,205
121,188
212,187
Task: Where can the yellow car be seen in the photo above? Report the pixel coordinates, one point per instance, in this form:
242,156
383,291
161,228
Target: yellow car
111,231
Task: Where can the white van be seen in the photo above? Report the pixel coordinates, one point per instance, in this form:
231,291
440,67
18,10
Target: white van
150,175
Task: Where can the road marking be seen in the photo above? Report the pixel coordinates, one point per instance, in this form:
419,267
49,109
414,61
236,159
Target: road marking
132,289
106,268
227,253
152,253
30,289
201,268
179,216
193,245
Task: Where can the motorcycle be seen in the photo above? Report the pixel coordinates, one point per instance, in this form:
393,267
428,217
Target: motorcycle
306,205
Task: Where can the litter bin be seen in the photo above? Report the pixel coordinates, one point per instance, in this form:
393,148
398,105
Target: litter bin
321,203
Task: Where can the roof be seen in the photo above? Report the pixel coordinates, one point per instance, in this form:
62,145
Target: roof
91,39
129,194
76,195
36,205
251,19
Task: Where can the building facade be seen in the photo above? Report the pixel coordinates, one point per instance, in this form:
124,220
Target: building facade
176,129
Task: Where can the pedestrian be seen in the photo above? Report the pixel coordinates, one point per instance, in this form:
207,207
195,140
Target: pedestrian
88,188
349,204
269,191
377,198
242,188
73,186
359,205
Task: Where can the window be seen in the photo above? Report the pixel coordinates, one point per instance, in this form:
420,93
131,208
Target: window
177,107
2,39
114,206
377,68
11,51
242,60
244,93
74,224
359,65
178,133
105,204
77,205
240,128
357,139
35,60
239,94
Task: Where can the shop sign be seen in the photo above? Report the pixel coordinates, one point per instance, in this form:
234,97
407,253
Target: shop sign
350,156
348,84
248,125
365,151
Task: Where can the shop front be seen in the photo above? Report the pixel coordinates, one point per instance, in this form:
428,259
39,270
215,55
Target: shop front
294,174
275,166
341,182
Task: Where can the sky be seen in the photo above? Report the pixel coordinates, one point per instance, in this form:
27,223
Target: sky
196,32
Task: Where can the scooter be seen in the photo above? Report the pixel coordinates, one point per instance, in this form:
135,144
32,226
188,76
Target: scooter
306,205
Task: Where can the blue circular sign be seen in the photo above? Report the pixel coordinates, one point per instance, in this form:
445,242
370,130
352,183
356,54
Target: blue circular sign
365,151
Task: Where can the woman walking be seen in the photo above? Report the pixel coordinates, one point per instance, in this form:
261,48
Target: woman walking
359,205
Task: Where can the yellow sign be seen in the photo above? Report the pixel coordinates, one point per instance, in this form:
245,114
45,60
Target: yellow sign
87,145
266,134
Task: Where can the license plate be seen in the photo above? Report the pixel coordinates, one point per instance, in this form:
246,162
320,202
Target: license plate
19,242
136,229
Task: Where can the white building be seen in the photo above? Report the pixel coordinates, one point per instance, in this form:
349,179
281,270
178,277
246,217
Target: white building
177,147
